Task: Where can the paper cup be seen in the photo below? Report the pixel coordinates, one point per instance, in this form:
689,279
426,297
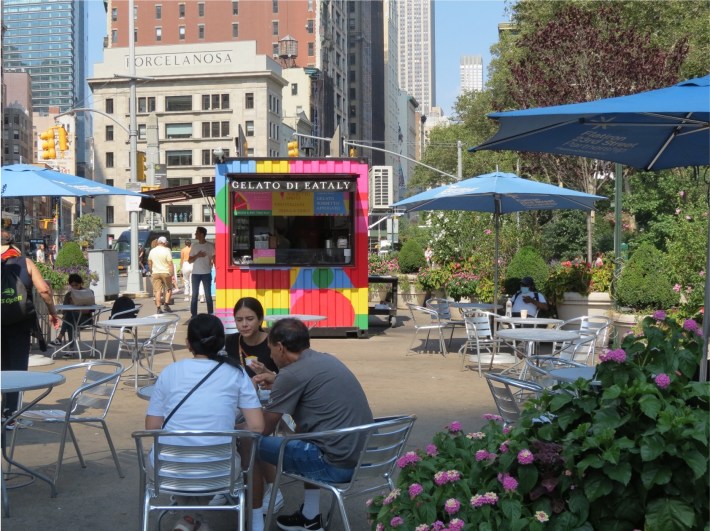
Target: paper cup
524,314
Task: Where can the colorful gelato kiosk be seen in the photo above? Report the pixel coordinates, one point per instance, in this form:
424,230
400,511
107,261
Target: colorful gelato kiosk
293,234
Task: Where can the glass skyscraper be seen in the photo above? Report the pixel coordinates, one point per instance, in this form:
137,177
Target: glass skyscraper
46,39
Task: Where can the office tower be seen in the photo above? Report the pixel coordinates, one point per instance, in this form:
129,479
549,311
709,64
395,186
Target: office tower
471,70
416,51
46,39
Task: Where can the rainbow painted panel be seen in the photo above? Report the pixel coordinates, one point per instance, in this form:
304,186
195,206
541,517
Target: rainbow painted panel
340,293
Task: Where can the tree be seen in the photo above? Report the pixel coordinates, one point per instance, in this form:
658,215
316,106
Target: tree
87,228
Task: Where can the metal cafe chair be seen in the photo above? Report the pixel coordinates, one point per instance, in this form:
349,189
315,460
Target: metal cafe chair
430,321
384,442
509,395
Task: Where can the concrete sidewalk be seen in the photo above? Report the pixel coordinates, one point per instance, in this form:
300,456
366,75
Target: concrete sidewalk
396,382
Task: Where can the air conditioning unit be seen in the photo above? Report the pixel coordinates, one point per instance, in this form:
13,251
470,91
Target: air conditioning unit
381,187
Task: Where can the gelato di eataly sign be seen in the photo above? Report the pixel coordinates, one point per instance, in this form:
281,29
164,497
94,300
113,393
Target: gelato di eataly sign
219,57
271,185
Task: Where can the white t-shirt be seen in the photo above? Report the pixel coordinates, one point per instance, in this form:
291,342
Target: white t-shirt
213,406
202,265
520,304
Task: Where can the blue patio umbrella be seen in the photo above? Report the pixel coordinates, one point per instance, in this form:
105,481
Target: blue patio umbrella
653,130
498,193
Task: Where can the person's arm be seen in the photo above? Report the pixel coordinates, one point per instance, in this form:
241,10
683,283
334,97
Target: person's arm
153,423
44,290
254,418
540,302
271,420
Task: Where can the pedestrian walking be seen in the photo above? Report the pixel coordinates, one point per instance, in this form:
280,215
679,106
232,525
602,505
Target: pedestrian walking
202,260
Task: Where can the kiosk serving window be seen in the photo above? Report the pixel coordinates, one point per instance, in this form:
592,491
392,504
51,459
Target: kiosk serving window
286,221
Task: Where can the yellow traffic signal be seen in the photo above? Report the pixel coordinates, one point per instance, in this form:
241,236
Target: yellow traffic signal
48,151
63,138
293,148
140,166
353,152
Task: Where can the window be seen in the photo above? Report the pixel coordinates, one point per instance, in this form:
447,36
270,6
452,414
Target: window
114,36
274,6
109,159
141,131
109,106
235,7
158,12
215,129
249,128
207,157
181,33
109,213
174,131
158,33
178,103
114,14
275,49
294,89
109,132
249,100
207,214
181,11
215,101
311,49
224,101
146,104
183,181
179,214
309,25
201,9
181,157
235,30
135,35
109,182
200,31
275,27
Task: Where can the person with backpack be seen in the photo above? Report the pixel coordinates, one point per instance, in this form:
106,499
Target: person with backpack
19,318
528,298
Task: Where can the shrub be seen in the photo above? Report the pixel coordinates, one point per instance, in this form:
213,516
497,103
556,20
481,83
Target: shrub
527,262
382,266
603,276
56,278
430,278
643,283
70,255
568,276
462,284
411,257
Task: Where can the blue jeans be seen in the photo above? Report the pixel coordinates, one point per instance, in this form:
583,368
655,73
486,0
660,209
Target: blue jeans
304,458
206,279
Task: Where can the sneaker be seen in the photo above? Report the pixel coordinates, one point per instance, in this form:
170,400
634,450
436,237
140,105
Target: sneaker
218,499
298,522
167,308
58,342
159,310
186,299
202,299
278,504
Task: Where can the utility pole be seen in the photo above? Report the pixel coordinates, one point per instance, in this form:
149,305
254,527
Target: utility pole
152,155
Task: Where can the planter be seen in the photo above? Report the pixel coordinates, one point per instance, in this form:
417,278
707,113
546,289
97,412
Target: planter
378,294
410,292
625,322
575,305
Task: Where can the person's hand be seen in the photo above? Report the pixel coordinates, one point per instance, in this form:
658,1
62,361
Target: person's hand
526,299
264,380
257,367
54,320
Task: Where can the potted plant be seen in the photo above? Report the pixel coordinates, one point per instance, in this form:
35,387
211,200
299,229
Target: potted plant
381,266
462,284
626,451
576,288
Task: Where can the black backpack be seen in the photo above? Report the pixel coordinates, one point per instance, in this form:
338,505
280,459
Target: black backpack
123,304
16,292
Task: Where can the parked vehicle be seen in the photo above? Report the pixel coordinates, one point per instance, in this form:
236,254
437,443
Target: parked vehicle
145,238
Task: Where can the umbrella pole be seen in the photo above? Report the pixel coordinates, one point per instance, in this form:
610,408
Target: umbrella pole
496,221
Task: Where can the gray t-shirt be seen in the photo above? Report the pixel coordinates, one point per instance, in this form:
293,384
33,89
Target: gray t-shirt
321,393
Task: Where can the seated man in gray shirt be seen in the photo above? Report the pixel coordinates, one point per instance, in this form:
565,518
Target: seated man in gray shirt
320,393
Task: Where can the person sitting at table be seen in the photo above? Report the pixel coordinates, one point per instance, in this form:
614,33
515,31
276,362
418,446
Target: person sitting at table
528,298
72,319
213,404
249,346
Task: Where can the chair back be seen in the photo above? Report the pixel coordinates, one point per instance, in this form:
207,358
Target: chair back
509,394
165,331
539,367
478,326
93,397
125,306
440,306
433,315
579,350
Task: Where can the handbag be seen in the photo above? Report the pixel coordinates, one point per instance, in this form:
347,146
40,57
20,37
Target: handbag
165,422
82,297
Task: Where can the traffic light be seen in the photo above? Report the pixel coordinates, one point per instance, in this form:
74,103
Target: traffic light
63,138
353,152
293,148
140,166
48,151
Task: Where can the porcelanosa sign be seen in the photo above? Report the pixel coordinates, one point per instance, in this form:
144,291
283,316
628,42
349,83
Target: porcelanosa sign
220,57
331,185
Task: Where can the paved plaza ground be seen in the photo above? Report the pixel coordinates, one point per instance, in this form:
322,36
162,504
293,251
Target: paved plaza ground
396,381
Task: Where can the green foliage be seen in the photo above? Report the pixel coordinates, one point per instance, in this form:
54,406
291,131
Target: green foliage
382,265
527,262
644,283
56,278
430,278
573,276
88,228
627,451
70,255
462,284
565,235
602,276
411,257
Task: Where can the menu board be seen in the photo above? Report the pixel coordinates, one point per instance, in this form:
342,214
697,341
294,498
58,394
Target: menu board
291,203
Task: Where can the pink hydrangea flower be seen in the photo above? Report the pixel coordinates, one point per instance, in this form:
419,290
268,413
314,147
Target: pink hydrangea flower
617,356
659,315
452,506
454,427
396,521
431,450
456,524
487,231
491,416
422,527
503,447
408,459
391,497
525,457
482,455
509,482
380,527
478,435
438,526
691,326
506,430
662,380
676,288
368,503
541,516
415,489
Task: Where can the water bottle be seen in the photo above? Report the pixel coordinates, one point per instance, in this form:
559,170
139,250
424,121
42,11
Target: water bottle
508,308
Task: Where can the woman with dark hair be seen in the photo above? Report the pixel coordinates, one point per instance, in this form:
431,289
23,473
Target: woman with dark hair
72,319
249,346
214,402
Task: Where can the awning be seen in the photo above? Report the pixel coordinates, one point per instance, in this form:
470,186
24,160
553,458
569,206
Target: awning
177,194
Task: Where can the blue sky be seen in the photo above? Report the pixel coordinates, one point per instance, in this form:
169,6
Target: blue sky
462,27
